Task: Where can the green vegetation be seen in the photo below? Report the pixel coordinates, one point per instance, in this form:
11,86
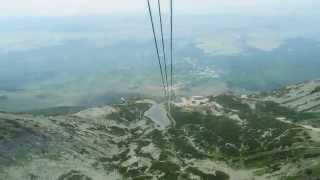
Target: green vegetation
183,146
118,131
208,130
276,110
74,175
217,176
239,137
18,140
265,140
171,170
13,129
131,111
56,111
232,102
158,138
316,90
312,173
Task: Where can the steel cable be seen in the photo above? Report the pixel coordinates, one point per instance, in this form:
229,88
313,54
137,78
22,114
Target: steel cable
157,48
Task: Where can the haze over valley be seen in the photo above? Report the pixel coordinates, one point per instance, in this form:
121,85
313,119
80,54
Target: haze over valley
86,61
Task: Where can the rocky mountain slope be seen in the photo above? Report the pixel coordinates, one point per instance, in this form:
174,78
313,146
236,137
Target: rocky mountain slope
223,137
302,97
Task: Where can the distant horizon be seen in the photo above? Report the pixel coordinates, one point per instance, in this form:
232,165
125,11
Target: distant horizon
137,14
72,8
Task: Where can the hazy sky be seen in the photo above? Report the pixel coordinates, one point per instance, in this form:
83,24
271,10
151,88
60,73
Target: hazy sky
94,7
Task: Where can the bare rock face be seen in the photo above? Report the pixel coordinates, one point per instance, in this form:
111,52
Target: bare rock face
223,137
302,97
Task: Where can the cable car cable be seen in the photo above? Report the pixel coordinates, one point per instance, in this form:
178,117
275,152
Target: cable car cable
171,39
156,46
163,45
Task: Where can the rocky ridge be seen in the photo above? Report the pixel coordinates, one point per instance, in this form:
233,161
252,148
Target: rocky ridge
217,137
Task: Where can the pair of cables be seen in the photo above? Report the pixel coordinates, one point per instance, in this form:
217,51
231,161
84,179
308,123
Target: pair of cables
163,64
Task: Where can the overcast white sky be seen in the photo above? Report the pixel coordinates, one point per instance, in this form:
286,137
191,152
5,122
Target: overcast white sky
96,7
